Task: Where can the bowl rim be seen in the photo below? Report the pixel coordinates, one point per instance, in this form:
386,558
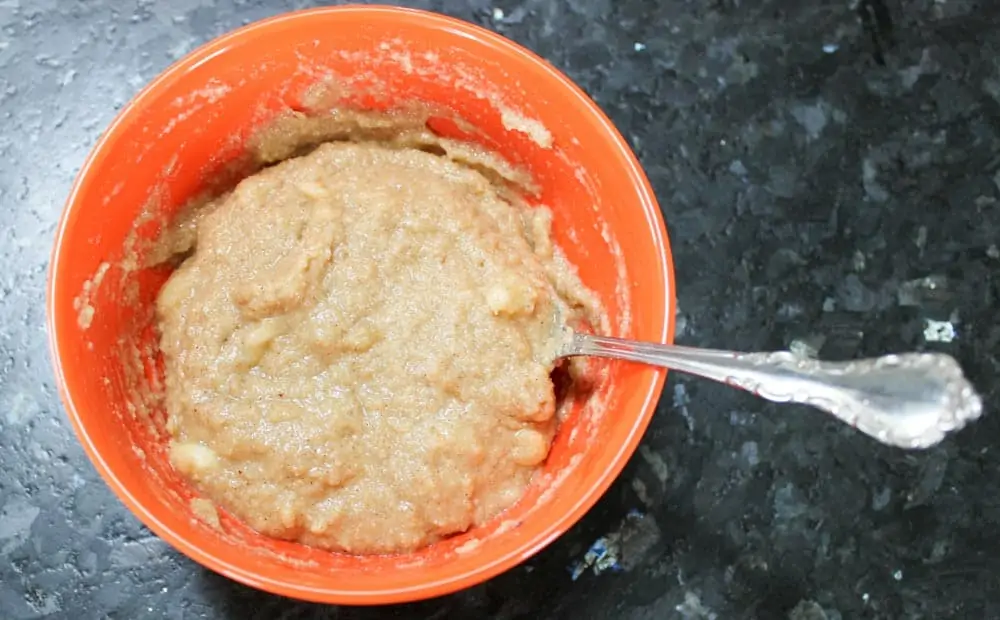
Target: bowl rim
437,587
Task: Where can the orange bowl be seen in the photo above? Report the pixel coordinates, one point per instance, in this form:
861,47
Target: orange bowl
192,123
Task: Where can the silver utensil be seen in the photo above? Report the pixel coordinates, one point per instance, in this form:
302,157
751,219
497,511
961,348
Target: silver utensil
911,400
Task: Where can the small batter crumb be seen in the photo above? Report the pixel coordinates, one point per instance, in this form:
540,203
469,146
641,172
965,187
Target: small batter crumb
82,303
358,350
534,129
205,510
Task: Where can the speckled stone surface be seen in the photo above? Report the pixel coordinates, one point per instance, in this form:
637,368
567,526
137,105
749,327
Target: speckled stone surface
815,161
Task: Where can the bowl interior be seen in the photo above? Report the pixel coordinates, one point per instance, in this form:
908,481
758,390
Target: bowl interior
189,127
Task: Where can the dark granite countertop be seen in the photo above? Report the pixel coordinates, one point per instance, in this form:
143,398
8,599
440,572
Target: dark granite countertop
830,176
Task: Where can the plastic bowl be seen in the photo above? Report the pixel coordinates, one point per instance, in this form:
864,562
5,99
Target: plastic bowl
191,124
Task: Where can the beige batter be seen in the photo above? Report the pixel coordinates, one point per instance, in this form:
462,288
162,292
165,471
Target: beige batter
358,351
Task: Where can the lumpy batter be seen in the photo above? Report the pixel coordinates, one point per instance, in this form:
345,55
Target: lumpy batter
358,351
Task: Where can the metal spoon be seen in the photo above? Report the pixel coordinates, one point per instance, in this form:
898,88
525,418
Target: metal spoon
911,400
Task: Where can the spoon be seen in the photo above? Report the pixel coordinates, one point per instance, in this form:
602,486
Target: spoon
910,400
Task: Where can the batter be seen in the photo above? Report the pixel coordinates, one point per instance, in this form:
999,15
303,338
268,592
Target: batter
358,350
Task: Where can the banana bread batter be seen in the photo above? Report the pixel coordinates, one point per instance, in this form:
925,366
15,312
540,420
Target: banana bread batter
358,351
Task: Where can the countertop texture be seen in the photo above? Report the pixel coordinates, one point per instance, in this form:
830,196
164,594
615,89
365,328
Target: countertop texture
829,171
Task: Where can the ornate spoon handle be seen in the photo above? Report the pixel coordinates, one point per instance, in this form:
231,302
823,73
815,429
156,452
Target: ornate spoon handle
910,400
